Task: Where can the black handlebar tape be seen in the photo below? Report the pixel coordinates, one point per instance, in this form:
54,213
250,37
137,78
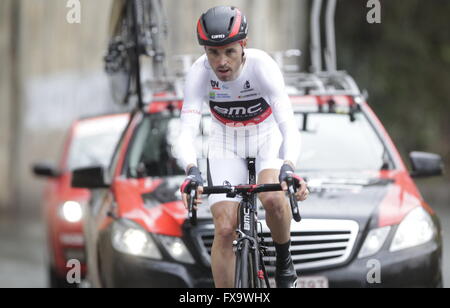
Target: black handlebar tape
191,208
292,200
208,190
270,187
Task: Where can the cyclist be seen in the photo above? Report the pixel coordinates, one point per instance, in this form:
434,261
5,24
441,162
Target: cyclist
252,117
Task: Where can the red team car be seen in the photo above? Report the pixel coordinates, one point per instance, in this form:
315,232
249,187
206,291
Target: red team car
365,223
90,141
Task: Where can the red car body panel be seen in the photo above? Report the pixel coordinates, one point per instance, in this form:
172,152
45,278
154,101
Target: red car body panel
57,192
404,196
400,199
163,219
61,234
159,106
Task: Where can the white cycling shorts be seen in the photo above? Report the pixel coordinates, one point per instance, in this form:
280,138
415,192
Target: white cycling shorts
235,171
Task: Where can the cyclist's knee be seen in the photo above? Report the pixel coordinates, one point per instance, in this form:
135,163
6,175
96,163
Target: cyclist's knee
225,220
272,201
225,228
225,232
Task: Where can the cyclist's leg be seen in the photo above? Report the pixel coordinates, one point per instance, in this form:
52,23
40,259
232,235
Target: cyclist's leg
278,212
222,255
224,211
278,218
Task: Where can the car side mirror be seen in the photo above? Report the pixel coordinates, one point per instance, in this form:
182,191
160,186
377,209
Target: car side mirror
46,170
91,178
426,164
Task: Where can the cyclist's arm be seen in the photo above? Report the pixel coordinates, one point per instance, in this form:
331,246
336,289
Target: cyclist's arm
272,82
194,96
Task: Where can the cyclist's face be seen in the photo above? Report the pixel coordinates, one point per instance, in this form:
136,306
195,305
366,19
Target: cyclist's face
226,61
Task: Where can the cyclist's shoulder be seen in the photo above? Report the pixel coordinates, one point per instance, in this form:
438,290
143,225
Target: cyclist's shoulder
260,59
257,54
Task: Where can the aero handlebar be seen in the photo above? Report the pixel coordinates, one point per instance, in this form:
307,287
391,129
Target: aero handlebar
233,191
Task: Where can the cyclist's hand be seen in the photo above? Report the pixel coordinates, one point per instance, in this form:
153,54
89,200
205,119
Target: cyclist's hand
185,197
287,171
194,180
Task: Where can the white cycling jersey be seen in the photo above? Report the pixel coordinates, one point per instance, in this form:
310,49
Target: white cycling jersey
245,112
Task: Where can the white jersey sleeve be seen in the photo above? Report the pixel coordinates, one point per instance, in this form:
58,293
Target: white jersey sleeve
272,83
191,112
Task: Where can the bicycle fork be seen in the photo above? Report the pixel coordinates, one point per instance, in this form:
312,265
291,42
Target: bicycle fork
255,249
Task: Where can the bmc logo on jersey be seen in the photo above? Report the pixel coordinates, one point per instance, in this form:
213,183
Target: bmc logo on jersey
238,111
255,111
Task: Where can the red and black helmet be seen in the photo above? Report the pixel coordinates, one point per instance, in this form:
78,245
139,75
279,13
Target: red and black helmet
220,26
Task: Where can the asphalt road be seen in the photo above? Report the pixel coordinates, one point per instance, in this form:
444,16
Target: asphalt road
443,211
438,196
23,253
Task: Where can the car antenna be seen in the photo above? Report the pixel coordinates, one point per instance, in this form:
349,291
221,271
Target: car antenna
330,49
132,5
316,55
159,34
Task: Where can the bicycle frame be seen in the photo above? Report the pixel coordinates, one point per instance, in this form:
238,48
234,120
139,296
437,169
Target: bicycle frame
248,247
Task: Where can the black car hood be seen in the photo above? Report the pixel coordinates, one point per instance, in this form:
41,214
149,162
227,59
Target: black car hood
353,199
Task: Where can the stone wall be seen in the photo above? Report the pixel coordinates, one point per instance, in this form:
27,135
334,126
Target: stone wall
5,99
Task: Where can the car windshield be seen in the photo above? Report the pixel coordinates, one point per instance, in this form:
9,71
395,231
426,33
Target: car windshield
154,152
330,142
94,141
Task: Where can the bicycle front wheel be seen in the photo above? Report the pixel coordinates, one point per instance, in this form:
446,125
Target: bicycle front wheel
244,267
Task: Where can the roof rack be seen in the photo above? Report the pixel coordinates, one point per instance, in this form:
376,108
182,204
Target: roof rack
287,60
323,83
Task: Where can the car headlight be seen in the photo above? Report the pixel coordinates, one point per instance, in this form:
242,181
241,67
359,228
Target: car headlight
417,228
374,241
176,248
72,211
132,239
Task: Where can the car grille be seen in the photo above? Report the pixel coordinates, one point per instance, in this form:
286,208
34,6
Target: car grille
314,242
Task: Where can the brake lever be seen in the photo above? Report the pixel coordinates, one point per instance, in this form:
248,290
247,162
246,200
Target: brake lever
292,200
